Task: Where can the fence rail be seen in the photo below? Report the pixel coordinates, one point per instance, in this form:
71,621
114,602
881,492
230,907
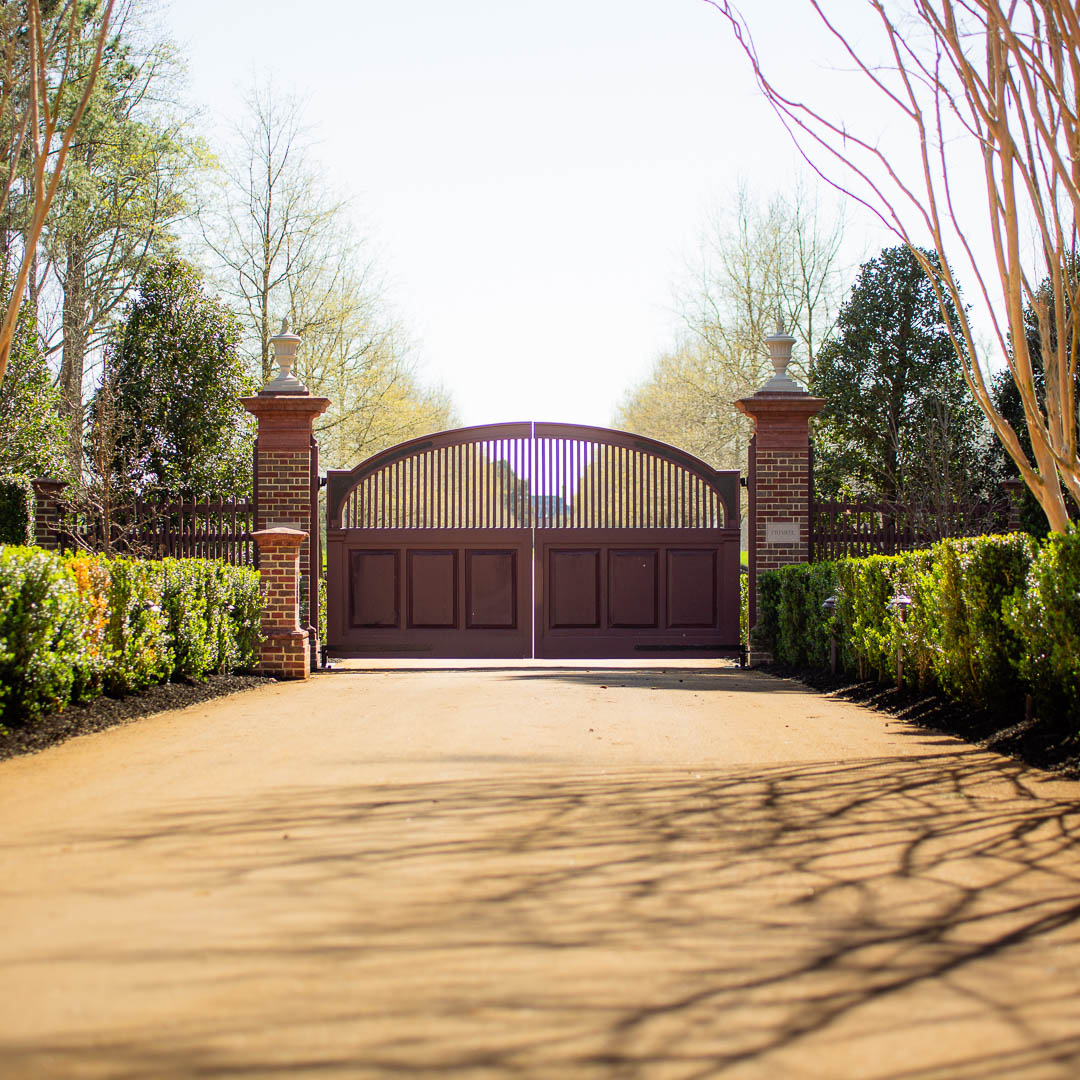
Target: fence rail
859,527
149,529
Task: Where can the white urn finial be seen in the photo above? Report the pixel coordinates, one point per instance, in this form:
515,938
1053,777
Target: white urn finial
780,346
285,345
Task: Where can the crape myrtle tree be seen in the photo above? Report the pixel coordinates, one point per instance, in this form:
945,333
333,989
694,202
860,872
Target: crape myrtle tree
166,417
898,422
1007,396
47,73
982,88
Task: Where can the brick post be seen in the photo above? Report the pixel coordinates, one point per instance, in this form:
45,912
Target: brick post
778,475
284,651
286,411
47,497
1014,492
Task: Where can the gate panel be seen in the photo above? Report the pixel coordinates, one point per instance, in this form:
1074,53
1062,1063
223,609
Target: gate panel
671,594
515,540
409,594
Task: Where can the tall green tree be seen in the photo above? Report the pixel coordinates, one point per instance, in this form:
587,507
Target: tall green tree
898,421
124,188
166,416
31,429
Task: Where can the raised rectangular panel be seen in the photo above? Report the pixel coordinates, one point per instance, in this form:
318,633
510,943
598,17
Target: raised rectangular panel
433,589
691,588
573,593
491,590
632,588
373,587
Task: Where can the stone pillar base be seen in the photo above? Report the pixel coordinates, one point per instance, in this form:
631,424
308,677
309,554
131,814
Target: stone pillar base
756,656
284,654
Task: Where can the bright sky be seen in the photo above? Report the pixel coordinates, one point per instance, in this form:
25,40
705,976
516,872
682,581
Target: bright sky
535,176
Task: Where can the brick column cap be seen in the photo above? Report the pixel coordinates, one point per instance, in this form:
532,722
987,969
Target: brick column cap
279,537
781,420
285,419
294,403
44,486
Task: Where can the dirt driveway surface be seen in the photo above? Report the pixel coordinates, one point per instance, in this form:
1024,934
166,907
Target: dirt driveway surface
535,871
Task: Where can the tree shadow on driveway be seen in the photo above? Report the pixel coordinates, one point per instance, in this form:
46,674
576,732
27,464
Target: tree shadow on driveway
888,919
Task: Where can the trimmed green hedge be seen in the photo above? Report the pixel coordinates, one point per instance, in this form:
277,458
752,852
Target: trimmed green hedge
76,626
994,618
17,507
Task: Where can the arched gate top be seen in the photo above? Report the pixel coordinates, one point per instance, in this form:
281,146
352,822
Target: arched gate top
533,475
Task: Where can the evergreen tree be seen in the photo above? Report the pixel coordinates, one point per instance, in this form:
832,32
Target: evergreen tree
898,421
167,416
31,429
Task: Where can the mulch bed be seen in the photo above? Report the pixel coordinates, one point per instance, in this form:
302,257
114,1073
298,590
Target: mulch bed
106,712
1053,745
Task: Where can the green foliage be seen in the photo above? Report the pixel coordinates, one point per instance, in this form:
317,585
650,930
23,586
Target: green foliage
993,618
744,609
213,616
167,415
138,639
17,506
867,626
33,431
802,636
73,627
1045,617
961,604
898,421
41,633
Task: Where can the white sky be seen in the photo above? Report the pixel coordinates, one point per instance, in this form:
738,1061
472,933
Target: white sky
535,176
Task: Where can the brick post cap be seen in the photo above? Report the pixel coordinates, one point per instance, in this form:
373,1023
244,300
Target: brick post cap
769,405
279,538
296,406
45,486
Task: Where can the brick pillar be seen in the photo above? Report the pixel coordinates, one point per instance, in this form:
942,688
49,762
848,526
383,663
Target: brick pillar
284,651
286,411
47,497
1014,492
778,476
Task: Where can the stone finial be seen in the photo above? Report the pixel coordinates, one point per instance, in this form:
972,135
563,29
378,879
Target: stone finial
780,346
285,345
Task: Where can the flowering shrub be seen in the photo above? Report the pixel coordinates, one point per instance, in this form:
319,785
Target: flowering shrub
75,626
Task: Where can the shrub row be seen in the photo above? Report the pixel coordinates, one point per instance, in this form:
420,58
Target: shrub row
76,626
993,618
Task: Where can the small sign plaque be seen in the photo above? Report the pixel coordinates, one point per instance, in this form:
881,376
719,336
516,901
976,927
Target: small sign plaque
781,532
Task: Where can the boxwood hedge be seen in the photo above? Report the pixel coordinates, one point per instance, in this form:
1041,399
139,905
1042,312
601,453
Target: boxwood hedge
993,618
76,626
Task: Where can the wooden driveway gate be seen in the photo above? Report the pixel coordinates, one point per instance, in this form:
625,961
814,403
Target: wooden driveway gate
530,539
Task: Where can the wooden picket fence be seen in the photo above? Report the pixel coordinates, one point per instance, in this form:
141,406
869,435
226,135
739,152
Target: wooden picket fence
860,527
156,529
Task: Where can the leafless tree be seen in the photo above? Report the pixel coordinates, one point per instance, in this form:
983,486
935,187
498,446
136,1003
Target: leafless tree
283,247
995,86
758,262
277,226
